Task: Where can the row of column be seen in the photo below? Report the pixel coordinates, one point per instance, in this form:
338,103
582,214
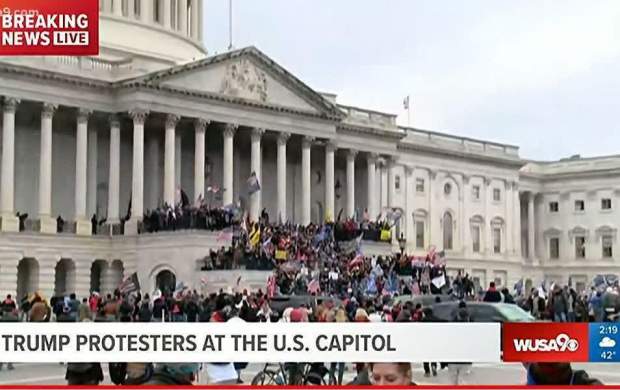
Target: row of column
85,164
187,17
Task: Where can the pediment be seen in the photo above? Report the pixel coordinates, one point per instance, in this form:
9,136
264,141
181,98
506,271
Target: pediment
246,75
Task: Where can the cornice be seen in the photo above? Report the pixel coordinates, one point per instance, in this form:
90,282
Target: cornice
509,162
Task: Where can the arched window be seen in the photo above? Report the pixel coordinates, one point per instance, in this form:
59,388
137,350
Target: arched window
447,230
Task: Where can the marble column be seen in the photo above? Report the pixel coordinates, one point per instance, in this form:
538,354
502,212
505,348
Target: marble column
330,148
507,242
281,160
200,127
92,172
195,18
227,184
131,9
117,8
516,229
351,183
371,161
170,159
178,161
384,185
256,167
531,233
137,173
10,223
83,226
200,20
167,14
391,186
146,14
48,224
306,184
182,14
114,172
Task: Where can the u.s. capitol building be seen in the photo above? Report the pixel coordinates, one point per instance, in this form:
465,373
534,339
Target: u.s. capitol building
153,112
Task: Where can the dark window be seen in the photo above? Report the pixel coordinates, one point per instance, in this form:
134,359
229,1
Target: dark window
606,204
554,248
554,207
580,205
580,247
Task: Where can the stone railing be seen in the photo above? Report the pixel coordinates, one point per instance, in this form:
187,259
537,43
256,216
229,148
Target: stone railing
368,117
93,64
461,143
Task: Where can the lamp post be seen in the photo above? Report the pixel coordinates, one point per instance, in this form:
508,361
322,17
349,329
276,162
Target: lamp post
402,242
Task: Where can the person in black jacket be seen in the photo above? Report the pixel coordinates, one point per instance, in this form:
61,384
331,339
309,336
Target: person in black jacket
558,374
428,316
492,295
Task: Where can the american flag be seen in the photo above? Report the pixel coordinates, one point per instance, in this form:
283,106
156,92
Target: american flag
225,235
271,286
314,287
130,284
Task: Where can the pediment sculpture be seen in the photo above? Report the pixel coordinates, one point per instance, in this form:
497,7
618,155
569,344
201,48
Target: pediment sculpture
243,79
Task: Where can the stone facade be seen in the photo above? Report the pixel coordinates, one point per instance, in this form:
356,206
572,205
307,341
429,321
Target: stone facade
87,136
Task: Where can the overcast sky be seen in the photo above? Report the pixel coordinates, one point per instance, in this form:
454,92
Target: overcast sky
543,75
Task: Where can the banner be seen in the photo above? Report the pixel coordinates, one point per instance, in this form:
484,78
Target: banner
44,27
255,342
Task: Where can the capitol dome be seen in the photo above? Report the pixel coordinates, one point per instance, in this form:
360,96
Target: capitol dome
167,32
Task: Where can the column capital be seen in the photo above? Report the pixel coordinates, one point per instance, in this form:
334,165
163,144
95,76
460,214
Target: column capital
351,154
230,129
48,110
486,180
514,185
10,104
138,116
330,146
200,124
257,134
372,157
283,138
172,120
466,179
307,141
114,120
83,114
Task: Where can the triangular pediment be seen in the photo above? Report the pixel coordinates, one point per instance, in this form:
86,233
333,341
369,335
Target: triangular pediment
245,75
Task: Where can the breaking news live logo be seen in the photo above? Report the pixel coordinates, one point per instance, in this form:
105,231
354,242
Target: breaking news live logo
545,342
49,27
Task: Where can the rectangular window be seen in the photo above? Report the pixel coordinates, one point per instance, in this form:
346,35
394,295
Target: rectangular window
497,195
607,246
419,185
580,247
497,240
475,236
554,248
419,234
580,205
554,207
606,204
475,192
397,182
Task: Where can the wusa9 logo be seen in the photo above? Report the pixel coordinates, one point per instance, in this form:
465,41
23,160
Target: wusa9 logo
44,27
545,342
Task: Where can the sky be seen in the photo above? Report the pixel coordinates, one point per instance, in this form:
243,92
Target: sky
542,75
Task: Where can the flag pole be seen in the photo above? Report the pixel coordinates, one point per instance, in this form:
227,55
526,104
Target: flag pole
230,27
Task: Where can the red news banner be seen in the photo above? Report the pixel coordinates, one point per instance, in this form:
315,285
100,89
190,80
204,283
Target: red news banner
49,27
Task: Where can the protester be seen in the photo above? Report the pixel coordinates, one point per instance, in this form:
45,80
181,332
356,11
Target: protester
391,374
558,374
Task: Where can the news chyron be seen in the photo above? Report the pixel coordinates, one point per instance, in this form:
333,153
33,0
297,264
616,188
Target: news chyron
44,27
561,342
